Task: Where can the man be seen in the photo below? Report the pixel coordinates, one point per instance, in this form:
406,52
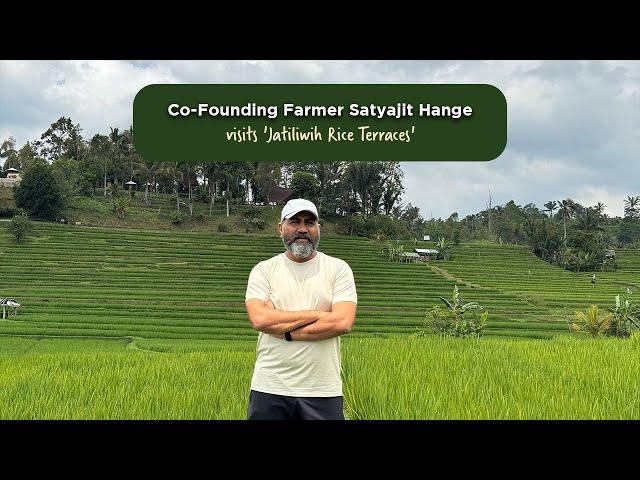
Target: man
301,301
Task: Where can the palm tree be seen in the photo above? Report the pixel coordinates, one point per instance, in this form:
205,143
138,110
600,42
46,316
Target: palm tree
551,207
363,177
148,170
589,220
116,141
599,208
567,207
631,206
173,170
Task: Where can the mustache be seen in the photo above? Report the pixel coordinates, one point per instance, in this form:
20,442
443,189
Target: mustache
297,237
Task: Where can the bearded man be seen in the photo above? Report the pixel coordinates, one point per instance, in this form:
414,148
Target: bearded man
300,301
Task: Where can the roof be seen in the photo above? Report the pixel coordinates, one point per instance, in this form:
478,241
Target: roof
409,254
425,250
279,194
12,169
9,302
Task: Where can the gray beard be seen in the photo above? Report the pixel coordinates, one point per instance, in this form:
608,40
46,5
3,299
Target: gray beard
301,250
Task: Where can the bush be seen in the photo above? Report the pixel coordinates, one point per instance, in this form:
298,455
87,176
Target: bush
592,322
120,205
625,320
253,224
176,217
20,225
251,219
458,319
201,194
223,227
39,194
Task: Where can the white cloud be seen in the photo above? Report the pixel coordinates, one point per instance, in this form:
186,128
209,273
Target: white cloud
573,126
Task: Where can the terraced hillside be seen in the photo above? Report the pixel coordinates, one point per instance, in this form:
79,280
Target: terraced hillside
84,281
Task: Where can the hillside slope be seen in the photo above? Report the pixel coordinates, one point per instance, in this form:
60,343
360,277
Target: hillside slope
85,281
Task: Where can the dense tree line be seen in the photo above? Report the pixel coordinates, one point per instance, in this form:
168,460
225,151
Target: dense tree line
364,198
108,161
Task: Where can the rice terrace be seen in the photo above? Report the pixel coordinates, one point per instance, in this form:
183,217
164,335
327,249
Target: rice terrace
126,323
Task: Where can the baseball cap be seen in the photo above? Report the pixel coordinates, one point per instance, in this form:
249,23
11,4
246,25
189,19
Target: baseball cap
298,205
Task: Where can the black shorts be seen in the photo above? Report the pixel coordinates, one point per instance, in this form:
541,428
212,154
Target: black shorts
267,406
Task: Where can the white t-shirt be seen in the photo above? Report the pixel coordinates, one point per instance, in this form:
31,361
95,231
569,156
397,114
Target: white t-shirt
300,368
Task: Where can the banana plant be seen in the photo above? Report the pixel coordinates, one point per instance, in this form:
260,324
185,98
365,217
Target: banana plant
457,306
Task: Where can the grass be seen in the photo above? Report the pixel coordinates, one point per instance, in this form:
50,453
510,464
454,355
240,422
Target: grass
428,378
106,282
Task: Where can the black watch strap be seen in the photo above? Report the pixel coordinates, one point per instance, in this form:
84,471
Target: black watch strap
287,336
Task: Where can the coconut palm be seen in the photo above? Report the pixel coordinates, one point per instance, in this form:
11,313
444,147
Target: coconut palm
551,207
631,206
592,322
589,220
172,169
148,170
567,208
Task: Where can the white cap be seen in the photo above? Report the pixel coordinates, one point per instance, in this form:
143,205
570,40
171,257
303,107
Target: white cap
298,205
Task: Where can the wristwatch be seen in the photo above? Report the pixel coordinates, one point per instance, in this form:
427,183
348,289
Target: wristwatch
287,336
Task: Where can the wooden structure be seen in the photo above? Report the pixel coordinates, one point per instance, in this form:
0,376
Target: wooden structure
426,253
407,257
7,304
13,178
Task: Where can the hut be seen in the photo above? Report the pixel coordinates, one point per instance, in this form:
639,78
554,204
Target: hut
7,304
426,253
408,257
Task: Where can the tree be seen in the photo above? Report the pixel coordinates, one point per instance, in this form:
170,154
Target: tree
632,207
62,139
100,153
20,226
39,194
551,207
567,208
28,157
173,170
148,170
304,184
589,220
364,178
392,185
268,175
10,155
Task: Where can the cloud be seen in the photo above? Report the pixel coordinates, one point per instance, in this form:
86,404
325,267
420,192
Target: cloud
573,126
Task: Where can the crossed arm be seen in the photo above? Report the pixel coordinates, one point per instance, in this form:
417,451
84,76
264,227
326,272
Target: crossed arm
308,325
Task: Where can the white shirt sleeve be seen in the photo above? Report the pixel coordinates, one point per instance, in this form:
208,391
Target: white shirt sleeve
344,286
258,284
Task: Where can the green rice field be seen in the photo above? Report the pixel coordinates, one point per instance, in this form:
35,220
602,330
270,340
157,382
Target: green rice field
111,283
140,324
422,378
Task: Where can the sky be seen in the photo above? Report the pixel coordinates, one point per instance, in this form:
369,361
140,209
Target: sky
573,127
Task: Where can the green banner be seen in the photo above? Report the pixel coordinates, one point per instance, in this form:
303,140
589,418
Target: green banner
319,122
